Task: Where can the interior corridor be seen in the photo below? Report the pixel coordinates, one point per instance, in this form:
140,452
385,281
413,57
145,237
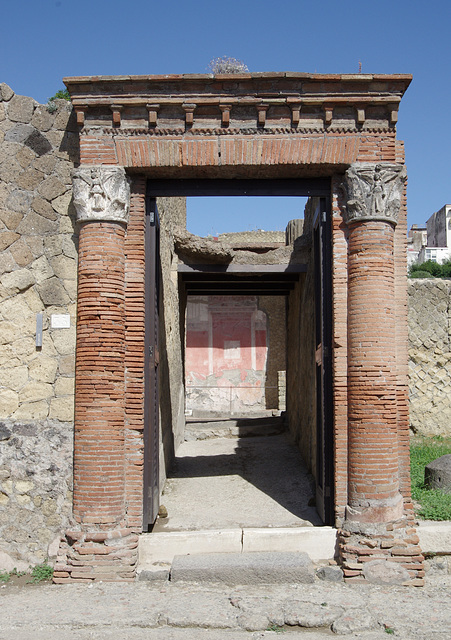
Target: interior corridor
237,474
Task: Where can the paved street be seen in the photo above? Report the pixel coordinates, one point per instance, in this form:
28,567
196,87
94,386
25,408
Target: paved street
188,611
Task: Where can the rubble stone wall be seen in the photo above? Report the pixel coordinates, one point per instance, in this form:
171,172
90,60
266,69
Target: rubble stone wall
430,356
38,275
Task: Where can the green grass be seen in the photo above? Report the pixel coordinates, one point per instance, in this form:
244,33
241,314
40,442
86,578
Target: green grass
434,504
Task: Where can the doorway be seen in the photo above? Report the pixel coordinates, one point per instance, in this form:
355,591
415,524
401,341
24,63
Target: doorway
207,280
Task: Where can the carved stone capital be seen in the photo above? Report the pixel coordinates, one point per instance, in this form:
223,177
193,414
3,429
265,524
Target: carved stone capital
374,191
101,193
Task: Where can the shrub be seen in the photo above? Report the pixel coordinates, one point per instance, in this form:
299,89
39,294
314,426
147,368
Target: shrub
227,65
421,274
61,94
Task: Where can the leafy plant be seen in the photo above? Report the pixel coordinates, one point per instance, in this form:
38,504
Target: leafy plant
61,94
7,575
41,572
434,504
276,628
227,65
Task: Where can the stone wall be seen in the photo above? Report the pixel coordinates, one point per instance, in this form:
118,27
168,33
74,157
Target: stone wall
38,275
430,356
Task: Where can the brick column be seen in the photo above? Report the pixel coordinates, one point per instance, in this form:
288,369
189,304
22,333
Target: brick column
374,196
101,198
375,505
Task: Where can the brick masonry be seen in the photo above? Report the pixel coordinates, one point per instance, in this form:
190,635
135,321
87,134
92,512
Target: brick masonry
314,126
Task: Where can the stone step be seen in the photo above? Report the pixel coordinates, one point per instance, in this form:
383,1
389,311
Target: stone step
157,550
232,428
244,568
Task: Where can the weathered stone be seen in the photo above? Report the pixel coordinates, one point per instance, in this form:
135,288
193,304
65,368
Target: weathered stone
17,280
45,164
25,157
64,340
14,378
9,332
64,267
42,119
44,208
67,223
7,238
33,223
62,409
62,204
24,486
51,188
385,572
66,365
64,387
35,391
41,270
331,574
10,218
9,401
5,434
6,93
10,170
437,474
29,179
33,300
354,621
43,368
20,108
19,133
8,563
63,114
19,201
32,411
21,253
52,292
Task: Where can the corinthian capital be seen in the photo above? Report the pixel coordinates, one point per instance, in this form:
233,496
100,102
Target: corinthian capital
374,191
101,193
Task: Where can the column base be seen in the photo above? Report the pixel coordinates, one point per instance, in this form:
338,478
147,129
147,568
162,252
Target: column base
107,556
376,511
381,552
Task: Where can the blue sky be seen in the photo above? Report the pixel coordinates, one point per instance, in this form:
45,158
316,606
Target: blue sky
44,40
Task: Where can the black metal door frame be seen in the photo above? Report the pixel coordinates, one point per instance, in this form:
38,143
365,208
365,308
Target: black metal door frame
316,187
151,472
322,244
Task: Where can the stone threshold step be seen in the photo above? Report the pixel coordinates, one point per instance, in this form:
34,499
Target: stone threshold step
244,568
157,550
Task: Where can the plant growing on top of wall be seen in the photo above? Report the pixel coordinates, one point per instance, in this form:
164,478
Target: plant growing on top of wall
227,65
61,94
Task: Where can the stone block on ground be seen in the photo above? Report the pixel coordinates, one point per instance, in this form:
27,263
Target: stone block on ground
244,568
437,474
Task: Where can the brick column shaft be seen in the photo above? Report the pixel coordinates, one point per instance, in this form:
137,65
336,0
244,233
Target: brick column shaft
373,484
99,488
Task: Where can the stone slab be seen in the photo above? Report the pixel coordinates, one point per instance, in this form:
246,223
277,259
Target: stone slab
435,537
318,542
155,548
244,568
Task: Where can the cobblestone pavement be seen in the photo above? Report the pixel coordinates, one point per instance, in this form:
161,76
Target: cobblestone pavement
188,611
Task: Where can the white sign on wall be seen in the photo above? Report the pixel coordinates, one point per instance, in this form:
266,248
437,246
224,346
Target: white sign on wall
60,321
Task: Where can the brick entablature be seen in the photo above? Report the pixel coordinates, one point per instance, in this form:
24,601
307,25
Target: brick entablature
265,126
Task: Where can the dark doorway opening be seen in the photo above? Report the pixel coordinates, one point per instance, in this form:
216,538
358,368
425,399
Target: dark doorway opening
251,279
